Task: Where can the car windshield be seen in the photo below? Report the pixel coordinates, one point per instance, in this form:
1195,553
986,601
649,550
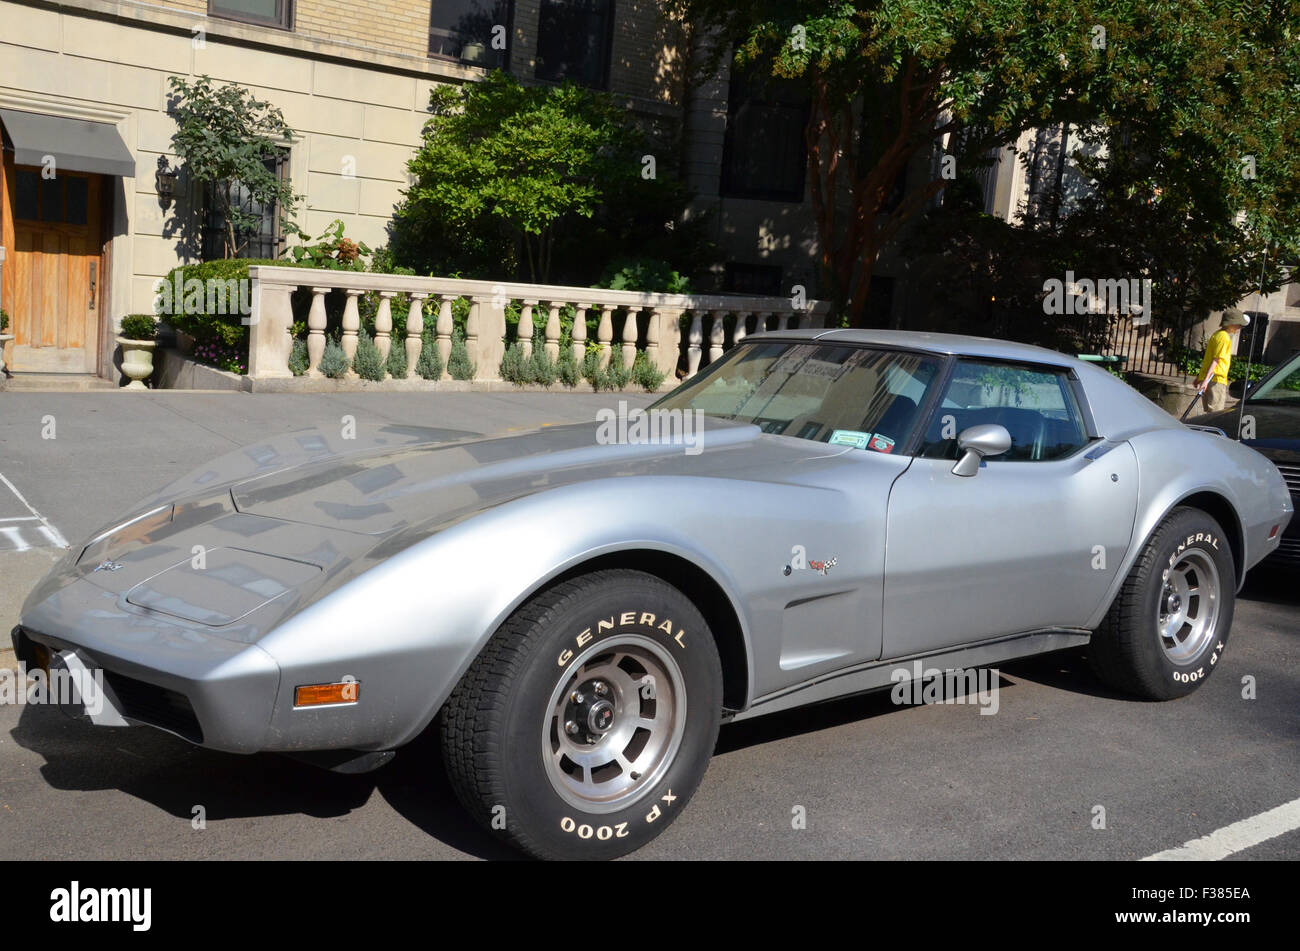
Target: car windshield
1283,386
846,395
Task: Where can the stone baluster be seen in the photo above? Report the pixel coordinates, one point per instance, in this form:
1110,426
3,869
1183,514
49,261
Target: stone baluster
717,335
782,322
553,331
605,332
351,325
629,336
525,332
662,340
579,334
442,329
473,342
384,324
695,341
414,333
803,322
741,330
316,330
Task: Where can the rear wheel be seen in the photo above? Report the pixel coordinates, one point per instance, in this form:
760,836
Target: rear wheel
587,722
1169,624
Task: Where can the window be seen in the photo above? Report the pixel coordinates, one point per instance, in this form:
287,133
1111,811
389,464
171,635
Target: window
847,395
266,241
63,199
764,155
476,32
573,41
1035,404
753,280
277,13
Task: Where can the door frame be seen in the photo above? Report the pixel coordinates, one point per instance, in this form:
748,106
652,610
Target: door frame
9,275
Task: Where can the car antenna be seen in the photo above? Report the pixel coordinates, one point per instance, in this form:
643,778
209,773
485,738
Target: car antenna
1250,351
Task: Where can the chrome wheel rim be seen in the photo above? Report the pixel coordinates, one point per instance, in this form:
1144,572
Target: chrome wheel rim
614,723
1189,606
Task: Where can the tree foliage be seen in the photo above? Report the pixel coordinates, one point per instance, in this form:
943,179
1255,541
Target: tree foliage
530,182
226,137
1196,85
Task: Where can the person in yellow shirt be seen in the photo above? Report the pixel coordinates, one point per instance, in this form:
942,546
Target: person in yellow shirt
1218,358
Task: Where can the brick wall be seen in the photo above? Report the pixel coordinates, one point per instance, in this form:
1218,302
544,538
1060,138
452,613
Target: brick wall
647,61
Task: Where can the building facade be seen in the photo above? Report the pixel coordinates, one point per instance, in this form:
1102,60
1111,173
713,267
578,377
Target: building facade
86,131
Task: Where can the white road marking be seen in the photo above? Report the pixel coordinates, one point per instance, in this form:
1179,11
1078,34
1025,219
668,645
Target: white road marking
16,542
48,530
21,518
1233,838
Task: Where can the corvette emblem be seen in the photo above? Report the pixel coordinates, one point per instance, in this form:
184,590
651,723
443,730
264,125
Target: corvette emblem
107,566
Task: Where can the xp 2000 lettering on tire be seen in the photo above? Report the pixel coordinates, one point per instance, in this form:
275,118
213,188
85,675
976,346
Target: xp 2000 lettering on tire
1168,626
587,722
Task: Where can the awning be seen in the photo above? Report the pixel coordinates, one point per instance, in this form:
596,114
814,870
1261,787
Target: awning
77,145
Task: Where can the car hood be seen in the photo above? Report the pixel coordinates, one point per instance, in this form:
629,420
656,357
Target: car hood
404,489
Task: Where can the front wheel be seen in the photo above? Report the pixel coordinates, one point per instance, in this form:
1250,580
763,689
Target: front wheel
587,722
1168,626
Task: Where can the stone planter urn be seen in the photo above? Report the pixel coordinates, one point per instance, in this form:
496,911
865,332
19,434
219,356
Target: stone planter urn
4,353
137,361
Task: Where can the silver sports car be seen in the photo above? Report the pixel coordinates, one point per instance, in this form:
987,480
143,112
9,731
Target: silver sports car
579,608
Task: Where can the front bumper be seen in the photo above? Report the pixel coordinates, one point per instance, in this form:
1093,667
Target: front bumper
214,693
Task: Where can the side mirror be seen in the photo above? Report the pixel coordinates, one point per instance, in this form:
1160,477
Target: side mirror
986,439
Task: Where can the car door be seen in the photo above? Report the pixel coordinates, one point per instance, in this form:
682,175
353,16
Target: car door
1032,541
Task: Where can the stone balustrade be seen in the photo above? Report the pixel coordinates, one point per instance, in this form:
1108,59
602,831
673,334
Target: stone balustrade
658,335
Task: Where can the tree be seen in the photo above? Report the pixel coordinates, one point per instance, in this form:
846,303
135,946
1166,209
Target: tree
226,138
507,175
1194,180
957,78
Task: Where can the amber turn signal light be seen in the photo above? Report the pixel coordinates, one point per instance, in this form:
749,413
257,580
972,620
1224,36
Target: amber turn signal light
317,695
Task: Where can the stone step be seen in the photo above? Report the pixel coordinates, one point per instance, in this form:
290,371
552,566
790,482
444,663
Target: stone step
54,382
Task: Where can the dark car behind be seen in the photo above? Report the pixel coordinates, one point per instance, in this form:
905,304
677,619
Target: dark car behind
1270,423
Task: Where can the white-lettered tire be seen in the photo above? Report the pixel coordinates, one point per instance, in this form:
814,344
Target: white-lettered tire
587,722
1169,624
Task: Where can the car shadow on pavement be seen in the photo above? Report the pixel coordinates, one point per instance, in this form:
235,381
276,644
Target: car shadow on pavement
175,776
812,719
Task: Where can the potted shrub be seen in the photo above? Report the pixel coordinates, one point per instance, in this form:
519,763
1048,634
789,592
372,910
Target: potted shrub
138,339
5,337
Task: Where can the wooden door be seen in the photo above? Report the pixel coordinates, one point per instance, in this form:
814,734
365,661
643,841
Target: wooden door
54,274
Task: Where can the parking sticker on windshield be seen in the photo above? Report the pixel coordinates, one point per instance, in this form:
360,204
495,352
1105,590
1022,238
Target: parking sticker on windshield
850,437
881,443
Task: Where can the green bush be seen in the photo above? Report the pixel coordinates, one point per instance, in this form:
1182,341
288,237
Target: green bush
397,362
366,362
458,362
210,312
139,327
592,371
644,274
298,358
646,374
429,366
4,320
513,367
567,367
334,362
542,370
617,375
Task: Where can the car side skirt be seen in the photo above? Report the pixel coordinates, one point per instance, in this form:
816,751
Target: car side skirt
879,675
